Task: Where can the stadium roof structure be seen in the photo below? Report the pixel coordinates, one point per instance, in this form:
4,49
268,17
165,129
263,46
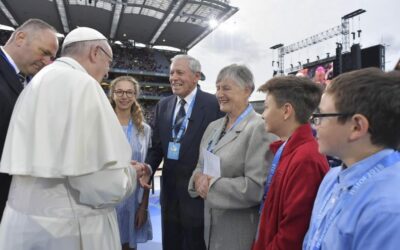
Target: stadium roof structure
176,23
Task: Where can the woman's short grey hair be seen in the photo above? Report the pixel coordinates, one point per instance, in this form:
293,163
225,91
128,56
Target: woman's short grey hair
240,74
194,64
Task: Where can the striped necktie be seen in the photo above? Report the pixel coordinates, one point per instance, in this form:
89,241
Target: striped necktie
180,116
22,79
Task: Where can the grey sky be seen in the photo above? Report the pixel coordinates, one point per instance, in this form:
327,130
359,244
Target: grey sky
259,24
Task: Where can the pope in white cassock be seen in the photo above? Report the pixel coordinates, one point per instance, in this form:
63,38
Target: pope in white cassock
68,155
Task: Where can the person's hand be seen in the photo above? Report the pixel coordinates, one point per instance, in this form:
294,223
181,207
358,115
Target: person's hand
140,216
144,178
145,181
198,179
202,182
140,169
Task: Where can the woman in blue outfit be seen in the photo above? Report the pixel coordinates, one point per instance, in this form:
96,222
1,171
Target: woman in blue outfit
133,217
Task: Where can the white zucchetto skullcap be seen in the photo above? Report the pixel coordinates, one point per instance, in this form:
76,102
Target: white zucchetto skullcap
82,34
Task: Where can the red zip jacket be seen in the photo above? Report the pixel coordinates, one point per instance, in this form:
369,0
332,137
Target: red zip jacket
287,209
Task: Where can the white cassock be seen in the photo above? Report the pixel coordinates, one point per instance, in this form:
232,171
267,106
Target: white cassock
70,162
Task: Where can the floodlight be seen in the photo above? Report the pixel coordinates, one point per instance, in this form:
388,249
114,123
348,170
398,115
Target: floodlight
212,23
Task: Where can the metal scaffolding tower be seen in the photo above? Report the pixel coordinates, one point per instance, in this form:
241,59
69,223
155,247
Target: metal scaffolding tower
342,29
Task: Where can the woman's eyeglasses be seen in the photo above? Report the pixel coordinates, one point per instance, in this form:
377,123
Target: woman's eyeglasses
120,93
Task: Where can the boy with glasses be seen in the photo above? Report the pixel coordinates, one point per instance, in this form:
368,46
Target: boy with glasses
357,206
297,168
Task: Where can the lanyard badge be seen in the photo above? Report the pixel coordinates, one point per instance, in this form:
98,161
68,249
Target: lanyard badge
173,150
174,146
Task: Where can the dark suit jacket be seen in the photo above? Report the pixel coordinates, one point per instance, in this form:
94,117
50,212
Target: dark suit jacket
10,88
176,173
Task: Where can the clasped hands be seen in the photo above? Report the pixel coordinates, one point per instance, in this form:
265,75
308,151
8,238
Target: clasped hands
143,173
201,184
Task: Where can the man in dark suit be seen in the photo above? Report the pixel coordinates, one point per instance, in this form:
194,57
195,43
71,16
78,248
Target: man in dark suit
178,127
31,46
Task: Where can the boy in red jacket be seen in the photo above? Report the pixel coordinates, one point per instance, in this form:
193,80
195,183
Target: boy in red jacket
297,169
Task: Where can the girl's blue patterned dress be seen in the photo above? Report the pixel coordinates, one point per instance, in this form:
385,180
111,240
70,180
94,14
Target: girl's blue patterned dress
126,210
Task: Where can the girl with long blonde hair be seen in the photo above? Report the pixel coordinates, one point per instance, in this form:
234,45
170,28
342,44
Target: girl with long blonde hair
133,217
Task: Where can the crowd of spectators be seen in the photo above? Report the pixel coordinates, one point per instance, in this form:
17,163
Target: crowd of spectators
155,91
148,111
149,105
140,59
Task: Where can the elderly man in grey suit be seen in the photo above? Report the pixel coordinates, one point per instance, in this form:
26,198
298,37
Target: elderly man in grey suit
231,170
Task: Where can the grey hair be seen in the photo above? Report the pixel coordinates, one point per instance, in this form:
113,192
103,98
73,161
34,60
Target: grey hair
194,64
32,26
240,74
79,48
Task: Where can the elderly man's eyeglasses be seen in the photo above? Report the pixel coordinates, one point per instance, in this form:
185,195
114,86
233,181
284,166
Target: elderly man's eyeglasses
316,118
120,93
105,52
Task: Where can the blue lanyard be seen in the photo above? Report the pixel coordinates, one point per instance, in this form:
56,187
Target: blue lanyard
214,141
129,131
185,122
243,115
321,232
271,174
136,149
